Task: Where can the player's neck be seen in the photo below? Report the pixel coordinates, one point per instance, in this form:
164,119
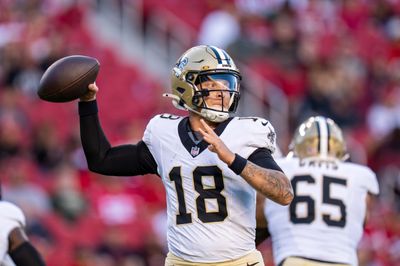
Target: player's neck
195,124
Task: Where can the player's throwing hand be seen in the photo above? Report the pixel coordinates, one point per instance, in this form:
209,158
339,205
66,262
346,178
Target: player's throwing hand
91,93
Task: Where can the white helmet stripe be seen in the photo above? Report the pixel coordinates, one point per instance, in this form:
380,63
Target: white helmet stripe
217,54
323,135
227,57
220,54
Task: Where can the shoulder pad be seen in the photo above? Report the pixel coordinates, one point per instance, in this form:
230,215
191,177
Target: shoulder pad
169,116
371,181
159,125
164,118
260,129
260,120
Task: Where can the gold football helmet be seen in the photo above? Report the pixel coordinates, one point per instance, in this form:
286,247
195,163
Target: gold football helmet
319,136
200,65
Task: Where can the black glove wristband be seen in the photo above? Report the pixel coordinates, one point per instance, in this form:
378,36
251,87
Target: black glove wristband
88,108
261,235
238,164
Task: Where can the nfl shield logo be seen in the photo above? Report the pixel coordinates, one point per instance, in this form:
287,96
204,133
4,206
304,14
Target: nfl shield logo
195,151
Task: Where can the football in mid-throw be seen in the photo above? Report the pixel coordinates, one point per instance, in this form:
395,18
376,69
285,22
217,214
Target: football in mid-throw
68,78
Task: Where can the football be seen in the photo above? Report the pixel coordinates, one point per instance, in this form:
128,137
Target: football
68,78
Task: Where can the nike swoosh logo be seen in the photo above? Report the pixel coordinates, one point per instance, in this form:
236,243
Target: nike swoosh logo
252,264
198,61
264,124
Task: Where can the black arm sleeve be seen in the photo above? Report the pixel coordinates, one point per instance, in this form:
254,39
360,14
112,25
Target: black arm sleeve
26,255
261,235
124,160
262,157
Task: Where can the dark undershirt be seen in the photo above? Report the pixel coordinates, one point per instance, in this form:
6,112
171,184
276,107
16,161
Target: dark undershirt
133,159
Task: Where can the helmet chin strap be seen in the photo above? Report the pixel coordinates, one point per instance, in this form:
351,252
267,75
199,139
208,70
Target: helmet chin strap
210,115
214,116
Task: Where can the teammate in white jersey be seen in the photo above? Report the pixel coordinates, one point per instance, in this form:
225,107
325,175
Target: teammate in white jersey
211,164
324,222
15,248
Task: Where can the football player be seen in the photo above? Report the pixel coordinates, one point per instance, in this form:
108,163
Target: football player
14,243
324,222
210,163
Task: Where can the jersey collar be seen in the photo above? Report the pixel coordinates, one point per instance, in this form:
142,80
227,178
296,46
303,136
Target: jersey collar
193,148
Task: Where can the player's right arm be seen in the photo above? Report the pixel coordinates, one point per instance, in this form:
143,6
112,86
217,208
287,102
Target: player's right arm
123,160
19,248
370,182
21,251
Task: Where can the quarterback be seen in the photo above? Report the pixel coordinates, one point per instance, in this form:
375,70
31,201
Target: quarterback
211,163
324,222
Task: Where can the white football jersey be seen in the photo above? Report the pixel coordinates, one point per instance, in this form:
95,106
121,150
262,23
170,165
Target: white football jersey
11,217
325,219
211,210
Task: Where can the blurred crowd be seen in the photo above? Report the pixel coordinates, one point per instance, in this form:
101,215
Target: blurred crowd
337,58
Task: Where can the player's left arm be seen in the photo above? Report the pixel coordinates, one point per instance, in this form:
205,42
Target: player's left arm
370,182
370,199
270,182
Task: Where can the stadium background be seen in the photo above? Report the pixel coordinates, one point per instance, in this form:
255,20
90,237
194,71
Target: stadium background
298,58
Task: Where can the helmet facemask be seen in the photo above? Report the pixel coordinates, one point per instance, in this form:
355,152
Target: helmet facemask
222,89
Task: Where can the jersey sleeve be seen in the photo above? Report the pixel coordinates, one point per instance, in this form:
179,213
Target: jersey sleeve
261,133
7,261
371,182
160,126
147,135
152,136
